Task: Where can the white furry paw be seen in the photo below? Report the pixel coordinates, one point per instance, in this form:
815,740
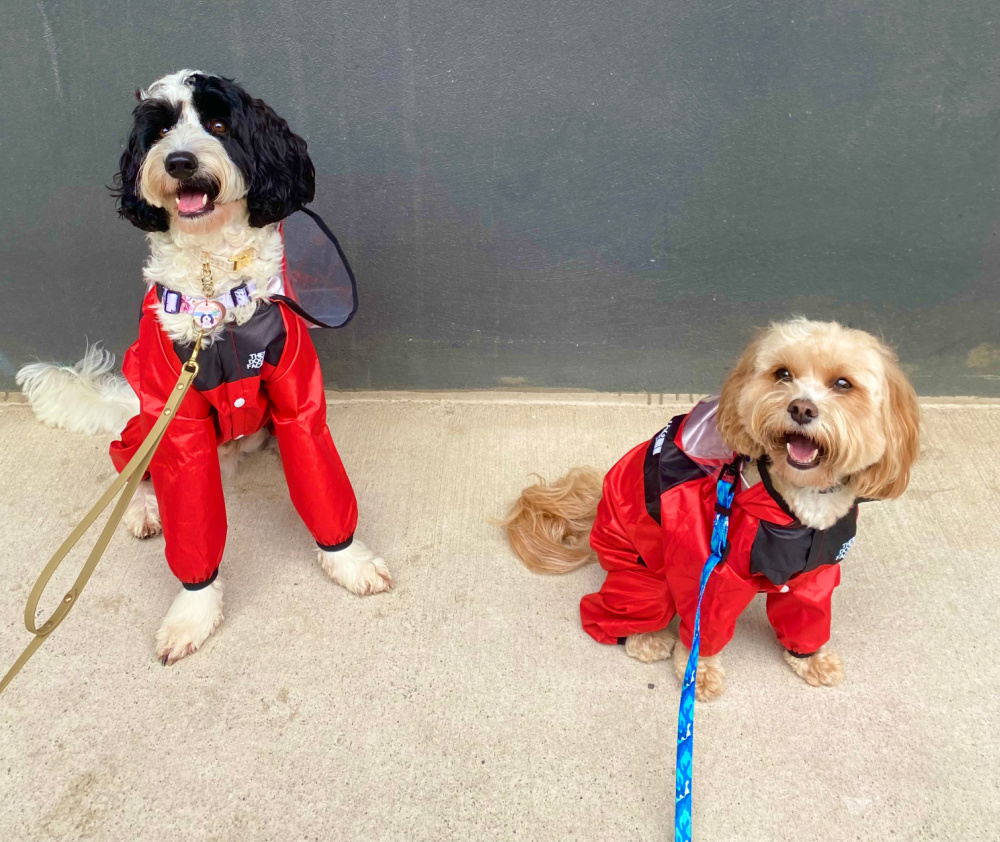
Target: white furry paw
710,683
255,441
357,568
821,669
142,517
650,646
192,617
231,452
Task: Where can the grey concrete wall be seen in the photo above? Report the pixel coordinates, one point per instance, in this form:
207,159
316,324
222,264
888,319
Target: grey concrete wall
562,194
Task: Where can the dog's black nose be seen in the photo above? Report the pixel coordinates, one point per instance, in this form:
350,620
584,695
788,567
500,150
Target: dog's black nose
180,165
802,411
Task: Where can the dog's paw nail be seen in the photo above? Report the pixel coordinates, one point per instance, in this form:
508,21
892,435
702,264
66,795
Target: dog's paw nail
361,576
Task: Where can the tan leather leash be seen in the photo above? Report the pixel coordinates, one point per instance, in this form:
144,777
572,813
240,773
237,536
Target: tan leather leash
130,477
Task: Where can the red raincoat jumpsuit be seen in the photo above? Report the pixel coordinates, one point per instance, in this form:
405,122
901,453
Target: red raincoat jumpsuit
653,532
262,373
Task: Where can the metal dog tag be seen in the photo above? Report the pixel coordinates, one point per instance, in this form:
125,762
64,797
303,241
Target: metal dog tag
207,313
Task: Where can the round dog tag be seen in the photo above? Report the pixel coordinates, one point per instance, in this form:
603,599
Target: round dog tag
207,313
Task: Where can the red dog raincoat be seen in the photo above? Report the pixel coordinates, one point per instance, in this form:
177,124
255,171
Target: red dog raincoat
262,373
653,534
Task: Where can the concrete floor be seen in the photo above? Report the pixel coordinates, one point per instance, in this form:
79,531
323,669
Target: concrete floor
468,704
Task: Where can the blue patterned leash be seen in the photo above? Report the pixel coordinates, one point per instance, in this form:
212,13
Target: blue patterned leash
724,492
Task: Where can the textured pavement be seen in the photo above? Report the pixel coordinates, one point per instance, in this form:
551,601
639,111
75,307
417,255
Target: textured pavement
468,704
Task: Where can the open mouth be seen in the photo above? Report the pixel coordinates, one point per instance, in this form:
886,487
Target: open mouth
196,198
803,452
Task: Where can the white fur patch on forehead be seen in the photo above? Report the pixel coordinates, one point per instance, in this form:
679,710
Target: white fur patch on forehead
174,87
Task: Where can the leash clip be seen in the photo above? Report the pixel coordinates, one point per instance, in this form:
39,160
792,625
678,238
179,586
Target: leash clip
731,470
190,365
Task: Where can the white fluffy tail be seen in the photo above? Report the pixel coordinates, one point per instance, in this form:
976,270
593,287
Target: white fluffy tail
85,398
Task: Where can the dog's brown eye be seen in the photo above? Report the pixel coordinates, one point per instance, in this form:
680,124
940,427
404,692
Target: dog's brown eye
782,374
217,126
164,131
842,384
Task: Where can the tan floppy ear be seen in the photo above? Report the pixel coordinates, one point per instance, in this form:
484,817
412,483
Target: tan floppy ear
727,418
889,477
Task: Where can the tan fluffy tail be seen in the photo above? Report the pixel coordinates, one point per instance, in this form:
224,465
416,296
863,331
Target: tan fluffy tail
549,524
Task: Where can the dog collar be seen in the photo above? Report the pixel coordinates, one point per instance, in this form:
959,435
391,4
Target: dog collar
235,264
206,312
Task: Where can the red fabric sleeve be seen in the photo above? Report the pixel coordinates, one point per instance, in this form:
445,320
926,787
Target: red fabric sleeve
131,437
629,602
317,481
634,597
801,616
185,470
188,485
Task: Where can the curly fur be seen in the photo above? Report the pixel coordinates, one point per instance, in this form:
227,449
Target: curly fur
866,426
256,172
258,162
250,171
125,188
869,433
549,524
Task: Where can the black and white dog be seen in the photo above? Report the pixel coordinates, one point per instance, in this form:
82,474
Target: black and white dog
209,172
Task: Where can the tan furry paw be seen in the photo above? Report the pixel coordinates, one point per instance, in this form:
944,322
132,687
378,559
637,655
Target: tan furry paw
650,646
358,569
711,680
821,669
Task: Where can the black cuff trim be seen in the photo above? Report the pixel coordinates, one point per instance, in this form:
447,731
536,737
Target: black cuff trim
797,655
621,641
335,548
197,586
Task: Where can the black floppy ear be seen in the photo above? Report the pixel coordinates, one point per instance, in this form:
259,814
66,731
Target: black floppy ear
125,187
282,177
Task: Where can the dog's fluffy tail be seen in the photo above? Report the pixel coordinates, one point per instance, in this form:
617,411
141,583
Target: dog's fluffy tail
84,398
549,524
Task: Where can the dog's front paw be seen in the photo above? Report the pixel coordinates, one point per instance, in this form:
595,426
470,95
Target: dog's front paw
711,680
821,669
142,515
192,617
650,646
357,568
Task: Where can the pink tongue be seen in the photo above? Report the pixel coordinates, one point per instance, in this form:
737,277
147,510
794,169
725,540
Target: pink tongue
189,202
801,449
